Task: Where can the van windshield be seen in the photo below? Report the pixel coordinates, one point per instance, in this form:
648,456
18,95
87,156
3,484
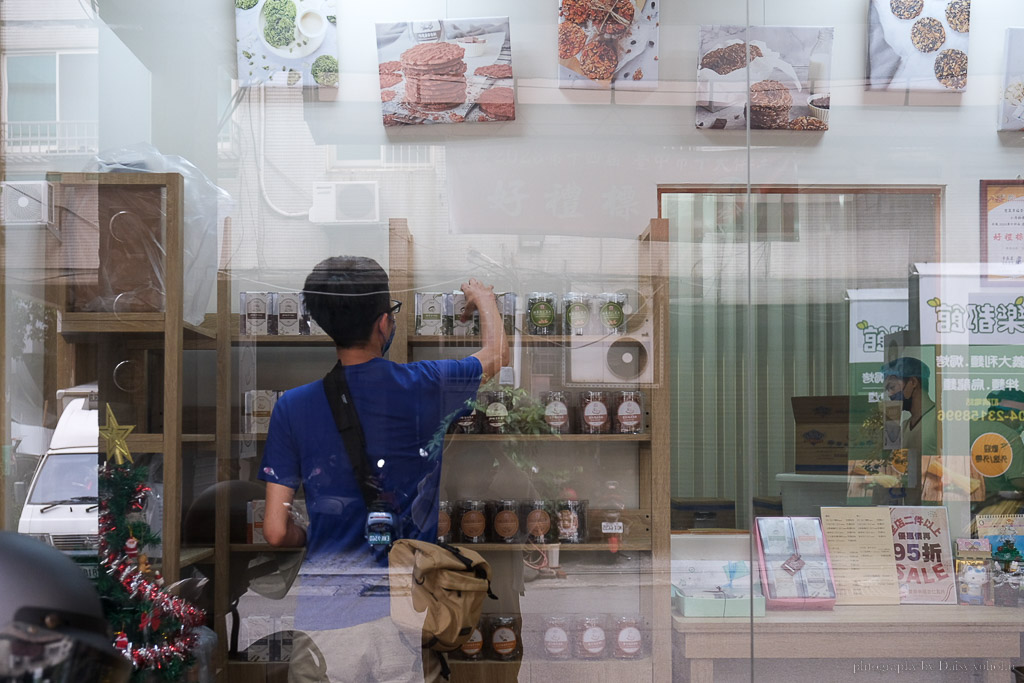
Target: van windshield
66,477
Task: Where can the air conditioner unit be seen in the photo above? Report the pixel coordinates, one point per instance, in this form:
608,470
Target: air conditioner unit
345,202
28,202
626,360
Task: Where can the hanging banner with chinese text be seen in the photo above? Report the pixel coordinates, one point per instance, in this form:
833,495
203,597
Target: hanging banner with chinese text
924,561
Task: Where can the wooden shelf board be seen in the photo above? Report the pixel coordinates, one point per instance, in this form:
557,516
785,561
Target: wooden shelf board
158,179
261,548
283,339
563,547
591,438
194,555
72,323
524,340
248,437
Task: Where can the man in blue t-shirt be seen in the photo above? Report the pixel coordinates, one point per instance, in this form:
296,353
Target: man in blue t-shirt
404,410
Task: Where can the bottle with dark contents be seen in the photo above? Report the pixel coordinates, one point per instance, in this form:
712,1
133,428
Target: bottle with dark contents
556,637
541,313
629,641
444,522
496,417
467,424
506,636
595,417
505,521
538,522
576,314
557,411
611,313
473,649
629,413
589,639
507,307
572,521
472,521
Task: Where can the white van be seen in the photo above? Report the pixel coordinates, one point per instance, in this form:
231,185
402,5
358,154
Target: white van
63,497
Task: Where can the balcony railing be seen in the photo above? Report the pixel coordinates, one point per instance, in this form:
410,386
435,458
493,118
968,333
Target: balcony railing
50,137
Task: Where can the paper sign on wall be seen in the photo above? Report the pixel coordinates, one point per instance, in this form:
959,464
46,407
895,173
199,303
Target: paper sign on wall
924,559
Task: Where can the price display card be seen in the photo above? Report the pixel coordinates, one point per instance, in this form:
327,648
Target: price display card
863,560
924,559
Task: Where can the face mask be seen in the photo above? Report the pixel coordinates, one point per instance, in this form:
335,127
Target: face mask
387,344
905,400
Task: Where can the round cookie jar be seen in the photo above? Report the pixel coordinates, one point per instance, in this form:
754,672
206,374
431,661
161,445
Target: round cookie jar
541,313
557,411
505,523
611,313
595,416
629,412
473,649
496,417
576,313
537,518
472,521
589,639
506,635
629,640
572,521
556,638
444,522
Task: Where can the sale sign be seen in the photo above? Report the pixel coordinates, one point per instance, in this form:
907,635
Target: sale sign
924,559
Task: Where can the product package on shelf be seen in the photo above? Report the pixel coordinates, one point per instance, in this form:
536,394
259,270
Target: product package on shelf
794,564
254,318
259,404
469,328
974,571
285,312
712,576
434,313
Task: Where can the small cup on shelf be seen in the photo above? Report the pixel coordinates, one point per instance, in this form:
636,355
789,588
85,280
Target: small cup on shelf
819,105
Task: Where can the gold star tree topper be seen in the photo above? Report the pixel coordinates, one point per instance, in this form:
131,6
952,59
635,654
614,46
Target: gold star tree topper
116,436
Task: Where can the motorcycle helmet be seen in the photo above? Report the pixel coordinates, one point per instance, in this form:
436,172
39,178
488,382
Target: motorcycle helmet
51,621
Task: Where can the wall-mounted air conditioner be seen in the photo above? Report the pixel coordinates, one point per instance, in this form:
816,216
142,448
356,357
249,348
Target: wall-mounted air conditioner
28,202
345,202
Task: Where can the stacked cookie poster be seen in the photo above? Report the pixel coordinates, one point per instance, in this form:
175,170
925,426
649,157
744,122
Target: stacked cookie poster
608,44
1011,100
445,71
774,77
918,45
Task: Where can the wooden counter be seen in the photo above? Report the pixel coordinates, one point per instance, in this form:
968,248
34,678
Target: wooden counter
944,632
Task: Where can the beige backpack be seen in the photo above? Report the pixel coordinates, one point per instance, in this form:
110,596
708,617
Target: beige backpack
438,589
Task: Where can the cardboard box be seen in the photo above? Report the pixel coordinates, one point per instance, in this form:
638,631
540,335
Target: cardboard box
824,425
715,513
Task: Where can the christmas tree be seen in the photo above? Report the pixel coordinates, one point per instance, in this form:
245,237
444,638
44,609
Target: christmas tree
154,628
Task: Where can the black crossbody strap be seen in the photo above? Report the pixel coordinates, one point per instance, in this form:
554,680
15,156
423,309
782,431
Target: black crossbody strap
347,420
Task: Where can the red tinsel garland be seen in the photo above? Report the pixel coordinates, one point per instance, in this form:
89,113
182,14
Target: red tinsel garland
139,588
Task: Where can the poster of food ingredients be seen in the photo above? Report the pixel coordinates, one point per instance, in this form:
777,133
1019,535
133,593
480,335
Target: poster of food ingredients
1011,100
445,71
924,559
287,42
608,44
918,45
789,75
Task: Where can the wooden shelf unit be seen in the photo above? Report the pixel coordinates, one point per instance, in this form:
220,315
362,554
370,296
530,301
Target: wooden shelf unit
84,335
652,474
